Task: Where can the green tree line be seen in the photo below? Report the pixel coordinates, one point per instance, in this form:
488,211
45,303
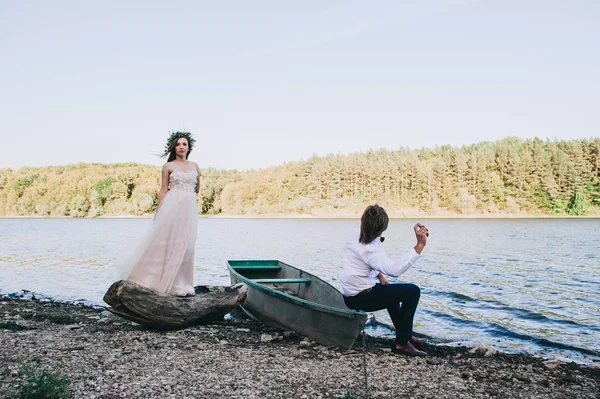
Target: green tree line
508,176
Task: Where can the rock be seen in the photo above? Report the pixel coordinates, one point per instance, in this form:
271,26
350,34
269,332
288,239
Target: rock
523,378
72,326
486,351
480,374
266,338
552,364
491,352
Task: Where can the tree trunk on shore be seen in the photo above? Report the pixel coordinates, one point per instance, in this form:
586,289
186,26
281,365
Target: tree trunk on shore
150,308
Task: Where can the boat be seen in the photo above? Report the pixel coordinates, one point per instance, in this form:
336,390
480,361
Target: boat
289,298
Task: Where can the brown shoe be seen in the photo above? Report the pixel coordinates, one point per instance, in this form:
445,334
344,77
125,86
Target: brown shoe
408,349
416,341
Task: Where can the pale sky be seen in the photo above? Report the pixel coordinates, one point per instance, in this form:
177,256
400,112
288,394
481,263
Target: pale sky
261,83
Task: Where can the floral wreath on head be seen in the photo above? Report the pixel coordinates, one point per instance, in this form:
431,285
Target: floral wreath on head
172,141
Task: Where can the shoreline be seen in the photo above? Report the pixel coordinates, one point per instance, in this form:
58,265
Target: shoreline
333,217
104,356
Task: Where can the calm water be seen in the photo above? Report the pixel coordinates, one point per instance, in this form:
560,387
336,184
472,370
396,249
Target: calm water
520,285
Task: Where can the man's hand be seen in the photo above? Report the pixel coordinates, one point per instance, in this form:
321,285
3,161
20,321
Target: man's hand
422,233
382,279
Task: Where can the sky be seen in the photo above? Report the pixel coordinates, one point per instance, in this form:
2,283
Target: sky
261,83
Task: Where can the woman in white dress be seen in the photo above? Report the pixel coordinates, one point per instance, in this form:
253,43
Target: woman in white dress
165,259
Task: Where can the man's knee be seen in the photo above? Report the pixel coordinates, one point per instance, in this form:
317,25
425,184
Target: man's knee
404,292
415,291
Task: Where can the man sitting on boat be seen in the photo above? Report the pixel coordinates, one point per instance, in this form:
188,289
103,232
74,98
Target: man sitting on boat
364,259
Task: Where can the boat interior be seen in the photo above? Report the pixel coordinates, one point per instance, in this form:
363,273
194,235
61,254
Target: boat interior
289,280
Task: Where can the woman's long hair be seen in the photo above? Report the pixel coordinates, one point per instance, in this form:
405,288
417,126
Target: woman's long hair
172,145
373,223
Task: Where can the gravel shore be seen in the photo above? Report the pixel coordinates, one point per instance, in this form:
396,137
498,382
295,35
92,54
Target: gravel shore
107,357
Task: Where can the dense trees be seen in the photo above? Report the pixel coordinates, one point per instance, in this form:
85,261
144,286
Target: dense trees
509,176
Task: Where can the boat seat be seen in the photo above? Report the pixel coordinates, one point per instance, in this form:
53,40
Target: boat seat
257,268
281,280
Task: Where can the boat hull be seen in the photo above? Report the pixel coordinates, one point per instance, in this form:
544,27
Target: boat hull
327,322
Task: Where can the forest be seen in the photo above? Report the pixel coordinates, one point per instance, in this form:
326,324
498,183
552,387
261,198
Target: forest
511,176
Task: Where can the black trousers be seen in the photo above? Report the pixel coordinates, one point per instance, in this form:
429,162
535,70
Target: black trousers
390,296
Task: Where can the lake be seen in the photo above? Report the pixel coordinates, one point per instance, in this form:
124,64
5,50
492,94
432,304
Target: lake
520,285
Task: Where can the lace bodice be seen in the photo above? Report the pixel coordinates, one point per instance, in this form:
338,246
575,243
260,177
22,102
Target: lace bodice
185,181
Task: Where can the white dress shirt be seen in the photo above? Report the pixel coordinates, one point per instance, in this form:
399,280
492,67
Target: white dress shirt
363,262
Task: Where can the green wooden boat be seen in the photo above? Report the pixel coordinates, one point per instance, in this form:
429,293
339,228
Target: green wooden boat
292,299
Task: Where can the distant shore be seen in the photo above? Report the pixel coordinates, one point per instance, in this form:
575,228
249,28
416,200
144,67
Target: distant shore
104,356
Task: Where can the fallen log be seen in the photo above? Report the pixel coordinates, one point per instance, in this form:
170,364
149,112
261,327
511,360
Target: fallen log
154,309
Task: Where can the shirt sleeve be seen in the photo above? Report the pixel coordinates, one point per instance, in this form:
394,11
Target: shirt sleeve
378,260
373,273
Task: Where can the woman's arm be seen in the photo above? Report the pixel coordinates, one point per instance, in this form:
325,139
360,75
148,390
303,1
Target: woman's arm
198,181
164,185
378,259
382,279
422,233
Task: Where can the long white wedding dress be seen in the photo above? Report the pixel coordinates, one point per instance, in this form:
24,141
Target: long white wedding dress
164,260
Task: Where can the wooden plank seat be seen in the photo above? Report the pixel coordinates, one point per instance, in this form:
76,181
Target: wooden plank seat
281,280
257,268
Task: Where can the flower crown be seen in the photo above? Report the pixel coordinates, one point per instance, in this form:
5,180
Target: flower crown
172,140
